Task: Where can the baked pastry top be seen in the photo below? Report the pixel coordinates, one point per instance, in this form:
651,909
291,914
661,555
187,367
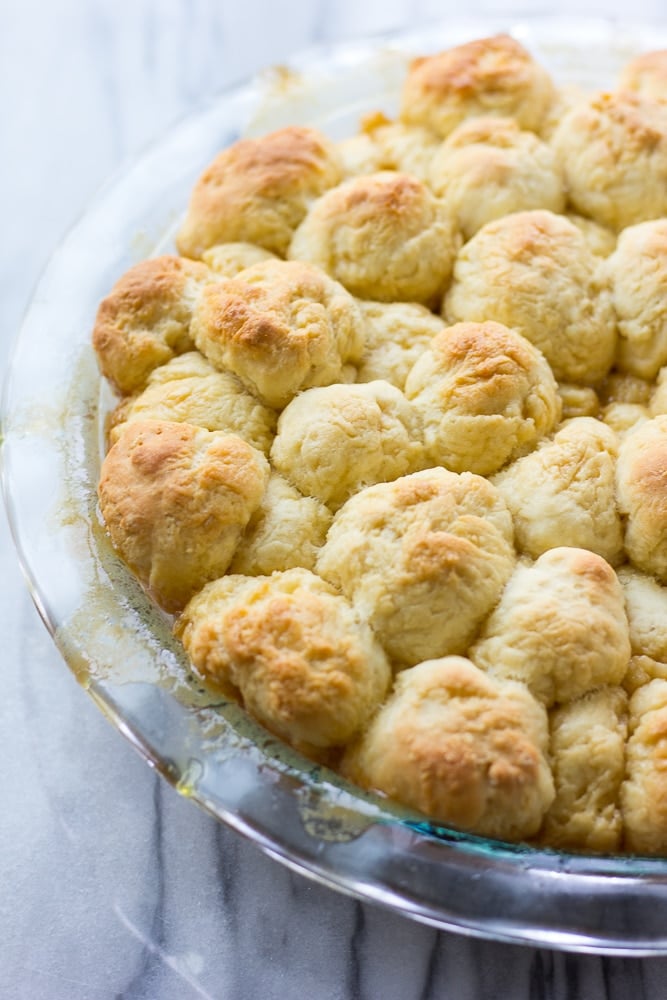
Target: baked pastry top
391,445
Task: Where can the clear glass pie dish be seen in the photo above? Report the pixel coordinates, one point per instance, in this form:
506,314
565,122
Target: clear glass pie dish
121,647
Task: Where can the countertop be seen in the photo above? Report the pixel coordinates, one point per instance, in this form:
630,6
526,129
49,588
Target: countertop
111,885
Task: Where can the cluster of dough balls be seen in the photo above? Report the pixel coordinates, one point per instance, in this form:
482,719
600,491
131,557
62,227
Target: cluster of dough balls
391,445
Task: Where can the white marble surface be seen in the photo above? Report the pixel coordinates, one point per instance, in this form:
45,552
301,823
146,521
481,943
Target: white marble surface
111,886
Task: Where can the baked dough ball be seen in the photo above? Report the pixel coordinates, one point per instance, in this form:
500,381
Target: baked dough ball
306,666
286,530
424,560
175,500
386,145
533,272
646,74
258,191
658,394
190,390
485,396
331,442
462,748
623,418
644,792
642,670
565,491
646,608
601,240
145,319
281,326
559,627
396,334
489,167
613,149
587,754
384,236
578,401
488,76
229,259
642,495
638,279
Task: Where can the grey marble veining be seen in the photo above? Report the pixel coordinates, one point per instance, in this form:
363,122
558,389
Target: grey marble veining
111,885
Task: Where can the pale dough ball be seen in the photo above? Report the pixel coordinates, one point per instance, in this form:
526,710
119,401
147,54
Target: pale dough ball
258,191
462,748
281,326
644,792
386,145
384,236
642,495
397,333
638,280
642,670
331,442
489,167
658,394
286,530
578,401
145,319
533,272
190,390
587,754
613,149
646,74
175,500
600,240
229,259
306,666
488,76
485,396
623,418
565,491
646,608
424,560
559,627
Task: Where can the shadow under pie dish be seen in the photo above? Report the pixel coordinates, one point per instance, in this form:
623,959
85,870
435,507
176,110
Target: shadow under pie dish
120,643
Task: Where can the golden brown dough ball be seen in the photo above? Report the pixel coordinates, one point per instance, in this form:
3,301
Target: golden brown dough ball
559,627
175,500
286,530
145,319
646,74
646,608
644,792
613,149
533,272
384,236
489,167
485,396
258,191
488,76
331,442
423,559
638,280
190,390
229,259
386,145
587,754
306,666
281,326
462,748
396,334
642,495
565,491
